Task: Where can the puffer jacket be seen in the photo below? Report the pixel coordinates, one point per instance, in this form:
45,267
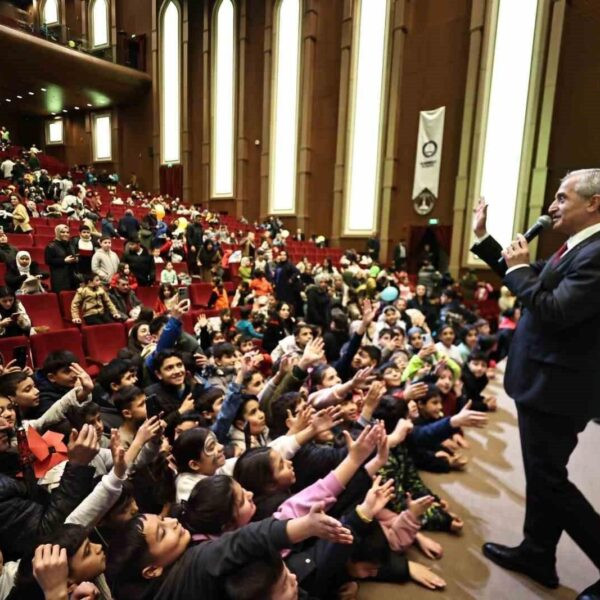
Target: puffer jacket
23,520
88,301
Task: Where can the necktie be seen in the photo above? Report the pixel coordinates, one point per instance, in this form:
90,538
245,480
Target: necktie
559,254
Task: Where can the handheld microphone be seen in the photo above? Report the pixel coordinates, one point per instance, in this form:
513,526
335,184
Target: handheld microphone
543,222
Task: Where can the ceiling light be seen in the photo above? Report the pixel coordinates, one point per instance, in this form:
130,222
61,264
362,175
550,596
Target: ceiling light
30,93
19,97
52,114
8,100
64,110
76,107
89,104
43,89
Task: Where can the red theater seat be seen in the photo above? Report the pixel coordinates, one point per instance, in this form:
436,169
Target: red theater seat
43,310
7,345
200,294
147,295
65,299
67,339
102,342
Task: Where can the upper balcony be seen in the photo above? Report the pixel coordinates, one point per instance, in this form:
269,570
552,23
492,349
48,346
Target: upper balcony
83,26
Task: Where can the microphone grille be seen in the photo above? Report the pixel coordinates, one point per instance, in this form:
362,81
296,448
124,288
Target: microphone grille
545,221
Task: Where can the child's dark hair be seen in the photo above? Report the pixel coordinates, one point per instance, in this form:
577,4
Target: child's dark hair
80,414
223,349
157,323
210,507
442,329
112,373
208,398
88,277
125,396
279,409
245,312
477,355
188,446
300,326
239,415
57,360
432,392
10,381
129,554
373,548
160,358
254,471
390,411
317,374
255,580
373,352
123,501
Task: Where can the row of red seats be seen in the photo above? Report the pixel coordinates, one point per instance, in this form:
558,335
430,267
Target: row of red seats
54,310
93,345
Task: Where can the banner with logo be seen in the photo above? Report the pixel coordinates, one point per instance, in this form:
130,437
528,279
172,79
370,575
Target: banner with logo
429,152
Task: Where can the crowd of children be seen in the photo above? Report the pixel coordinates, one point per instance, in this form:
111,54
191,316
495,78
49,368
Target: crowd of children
271,455
268,457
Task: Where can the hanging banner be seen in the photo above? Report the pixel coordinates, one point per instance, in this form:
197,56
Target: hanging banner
429,152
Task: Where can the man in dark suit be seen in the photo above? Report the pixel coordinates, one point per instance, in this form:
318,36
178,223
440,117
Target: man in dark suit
552,374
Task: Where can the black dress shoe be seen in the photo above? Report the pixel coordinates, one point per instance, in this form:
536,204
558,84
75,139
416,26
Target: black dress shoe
516,559
591,593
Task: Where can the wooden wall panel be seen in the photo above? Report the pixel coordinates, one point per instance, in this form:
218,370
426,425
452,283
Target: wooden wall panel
435,66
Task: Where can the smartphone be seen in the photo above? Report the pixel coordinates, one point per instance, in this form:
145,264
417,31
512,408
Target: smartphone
152,405
183,293
20,356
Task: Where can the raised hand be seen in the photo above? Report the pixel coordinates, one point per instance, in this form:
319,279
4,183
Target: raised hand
118,454
414,391
202,321
402,429
181,309
362,377
480,218
326,419
373,396
313,353
377,497
468,418
51,569
419,506
83,446
302,419
325,527
84,381
187,405
361,448
149,429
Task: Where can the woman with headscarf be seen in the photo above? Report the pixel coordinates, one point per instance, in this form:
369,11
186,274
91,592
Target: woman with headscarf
22,269
61,260
208,258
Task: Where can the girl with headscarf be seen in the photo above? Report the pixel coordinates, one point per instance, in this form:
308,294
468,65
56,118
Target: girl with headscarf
14,320
61,260
22,269
208,258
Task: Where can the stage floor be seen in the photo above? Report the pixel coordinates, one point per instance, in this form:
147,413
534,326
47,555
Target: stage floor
490,497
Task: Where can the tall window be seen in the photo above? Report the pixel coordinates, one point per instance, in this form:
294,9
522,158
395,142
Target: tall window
512,55
54,132
102,137
50,14
99,23
170,88
285,108
223,99
367,109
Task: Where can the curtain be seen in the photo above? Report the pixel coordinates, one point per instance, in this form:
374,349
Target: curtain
171,180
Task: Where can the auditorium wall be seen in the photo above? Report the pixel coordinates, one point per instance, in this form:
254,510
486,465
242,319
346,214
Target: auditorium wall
575,138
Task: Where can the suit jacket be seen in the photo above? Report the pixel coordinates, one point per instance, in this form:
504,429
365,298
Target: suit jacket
553,358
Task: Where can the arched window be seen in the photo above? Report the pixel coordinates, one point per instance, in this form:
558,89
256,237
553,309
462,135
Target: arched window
503,147
99,23
170,82
223,99
367,111
285,108
50,12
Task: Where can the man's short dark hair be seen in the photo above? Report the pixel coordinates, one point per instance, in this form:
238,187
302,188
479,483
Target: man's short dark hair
373,352
125,396
255,580
160,358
